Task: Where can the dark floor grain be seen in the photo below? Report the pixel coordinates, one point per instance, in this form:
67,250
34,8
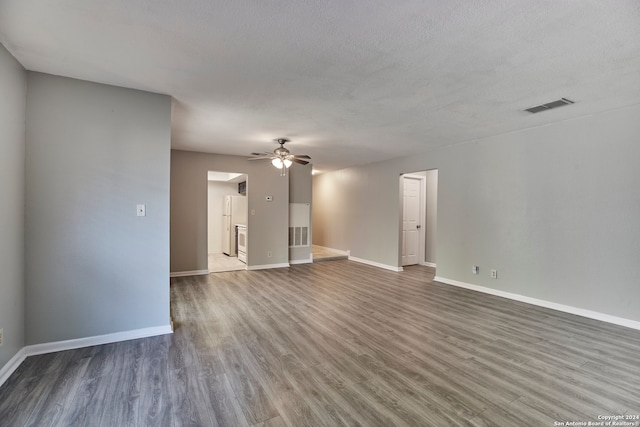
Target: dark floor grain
337,343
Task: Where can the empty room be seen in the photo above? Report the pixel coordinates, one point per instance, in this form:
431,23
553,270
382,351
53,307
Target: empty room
422,213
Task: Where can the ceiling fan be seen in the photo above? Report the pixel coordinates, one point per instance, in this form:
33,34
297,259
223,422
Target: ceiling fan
281,158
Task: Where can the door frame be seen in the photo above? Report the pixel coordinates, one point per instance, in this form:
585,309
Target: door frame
422,177
235,180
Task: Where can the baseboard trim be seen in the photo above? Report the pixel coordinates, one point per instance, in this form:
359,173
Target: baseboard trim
51,347
376,264
13,364
189,273
268,266
428,264
543,303
300,261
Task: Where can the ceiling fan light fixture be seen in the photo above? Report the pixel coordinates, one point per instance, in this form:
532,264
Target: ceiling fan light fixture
279,163
282,158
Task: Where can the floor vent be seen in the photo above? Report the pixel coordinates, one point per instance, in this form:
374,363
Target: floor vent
549,105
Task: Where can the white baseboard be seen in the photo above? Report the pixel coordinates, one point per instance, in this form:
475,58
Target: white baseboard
51,347
375,264
546,304
189,273
301,261
428,264
12,365
267,266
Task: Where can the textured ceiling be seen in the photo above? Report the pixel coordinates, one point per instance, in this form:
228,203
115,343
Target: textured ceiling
349,82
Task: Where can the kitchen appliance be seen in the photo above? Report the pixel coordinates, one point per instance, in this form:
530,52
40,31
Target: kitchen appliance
241,234
234,213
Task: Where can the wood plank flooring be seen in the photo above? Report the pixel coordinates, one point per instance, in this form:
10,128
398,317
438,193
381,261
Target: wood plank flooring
337,343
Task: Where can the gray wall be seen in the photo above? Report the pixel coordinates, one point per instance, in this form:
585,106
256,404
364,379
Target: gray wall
554,209
267,229
358,208
300,184
93,152
432,217
12,147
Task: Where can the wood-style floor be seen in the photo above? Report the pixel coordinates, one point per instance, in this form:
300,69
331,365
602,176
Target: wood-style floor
337,343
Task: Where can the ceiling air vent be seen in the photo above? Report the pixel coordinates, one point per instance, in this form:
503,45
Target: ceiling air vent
549,105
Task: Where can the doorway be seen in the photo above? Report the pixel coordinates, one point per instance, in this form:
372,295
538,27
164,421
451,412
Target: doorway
418,212
226,210
411,218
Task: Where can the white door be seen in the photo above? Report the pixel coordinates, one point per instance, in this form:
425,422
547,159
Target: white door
411,221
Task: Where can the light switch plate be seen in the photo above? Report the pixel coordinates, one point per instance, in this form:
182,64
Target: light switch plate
141,210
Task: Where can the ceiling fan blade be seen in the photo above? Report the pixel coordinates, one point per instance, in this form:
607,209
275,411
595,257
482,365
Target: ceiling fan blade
302,156
264,153
260,158
302,162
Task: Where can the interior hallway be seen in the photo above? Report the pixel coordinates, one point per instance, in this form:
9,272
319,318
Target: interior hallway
320,253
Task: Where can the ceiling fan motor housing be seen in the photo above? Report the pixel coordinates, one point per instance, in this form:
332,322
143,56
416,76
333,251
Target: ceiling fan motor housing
281,152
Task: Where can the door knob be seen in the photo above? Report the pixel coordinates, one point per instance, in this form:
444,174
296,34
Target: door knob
418,226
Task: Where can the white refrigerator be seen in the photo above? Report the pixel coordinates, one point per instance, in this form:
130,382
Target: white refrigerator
234,213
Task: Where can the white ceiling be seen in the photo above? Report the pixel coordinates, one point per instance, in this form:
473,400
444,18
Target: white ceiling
349,82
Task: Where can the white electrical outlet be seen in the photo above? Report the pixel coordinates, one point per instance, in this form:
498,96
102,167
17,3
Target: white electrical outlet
494,274
141,210
476,269
1,335
269,254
